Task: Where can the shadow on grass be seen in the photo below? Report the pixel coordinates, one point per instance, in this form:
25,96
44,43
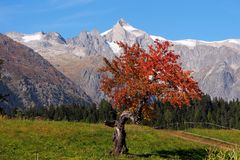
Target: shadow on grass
190,154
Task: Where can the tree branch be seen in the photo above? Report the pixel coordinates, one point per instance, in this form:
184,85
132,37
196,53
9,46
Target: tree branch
135,117
109,64
138,113
110,123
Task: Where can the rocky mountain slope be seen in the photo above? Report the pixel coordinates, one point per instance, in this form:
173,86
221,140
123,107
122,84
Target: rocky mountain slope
30,80
77,58
216,65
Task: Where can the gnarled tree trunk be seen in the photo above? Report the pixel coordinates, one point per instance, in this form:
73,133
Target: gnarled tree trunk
119,136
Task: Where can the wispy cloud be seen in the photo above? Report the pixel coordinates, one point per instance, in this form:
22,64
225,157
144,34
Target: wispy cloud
10,11
83,14
76,19
55,26
41,6
53,5
61,4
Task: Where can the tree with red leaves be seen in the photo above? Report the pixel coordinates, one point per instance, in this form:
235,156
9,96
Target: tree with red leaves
139,78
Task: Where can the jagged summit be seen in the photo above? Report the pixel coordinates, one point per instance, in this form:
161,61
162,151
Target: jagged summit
123,31
122,22
55,36
122,28
92,42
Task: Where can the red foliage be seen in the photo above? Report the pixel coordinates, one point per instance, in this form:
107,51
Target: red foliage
138,74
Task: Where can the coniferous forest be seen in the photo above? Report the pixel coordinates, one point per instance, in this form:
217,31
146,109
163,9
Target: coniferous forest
205,113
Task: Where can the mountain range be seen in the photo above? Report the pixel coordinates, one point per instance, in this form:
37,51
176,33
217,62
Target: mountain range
30,80
68,67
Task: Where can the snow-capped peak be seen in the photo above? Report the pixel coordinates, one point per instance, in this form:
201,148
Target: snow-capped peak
32,37
122,31
158,37
106,32
186,42
122,22
115,48
126,26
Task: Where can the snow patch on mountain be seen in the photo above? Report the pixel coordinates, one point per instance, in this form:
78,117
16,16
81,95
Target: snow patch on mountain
129,28
32,37
158,37
192,43
115,48
236,41
106,32
187,42
132,30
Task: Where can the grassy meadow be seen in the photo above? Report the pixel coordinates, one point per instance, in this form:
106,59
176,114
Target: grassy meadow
26,139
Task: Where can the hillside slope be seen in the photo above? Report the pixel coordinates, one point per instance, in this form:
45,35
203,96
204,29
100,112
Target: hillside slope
30,80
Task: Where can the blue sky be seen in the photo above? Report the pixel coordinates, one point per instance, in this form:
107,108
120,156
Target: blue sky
172,19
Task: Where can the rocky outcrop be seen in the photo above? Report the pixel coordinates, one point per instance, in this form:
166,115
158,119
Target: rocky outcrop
215,68
92,43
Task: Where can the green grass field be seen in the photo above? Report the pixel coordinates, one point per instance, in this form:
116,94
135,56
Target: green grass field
226,135
26,139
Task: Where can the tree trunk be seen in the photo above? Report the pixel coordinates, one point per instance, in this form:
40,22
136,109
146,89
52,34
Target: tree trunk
119,136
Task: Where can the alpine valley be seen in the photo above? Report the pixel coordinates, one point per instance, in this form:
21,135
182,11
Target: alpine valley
44,68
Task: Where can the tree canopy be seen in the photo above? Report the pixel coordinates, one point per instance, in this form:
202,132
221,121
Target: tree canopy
141,76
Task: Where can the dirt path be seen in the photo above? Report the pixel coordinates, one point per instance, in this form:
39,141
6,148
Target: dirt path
204,140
